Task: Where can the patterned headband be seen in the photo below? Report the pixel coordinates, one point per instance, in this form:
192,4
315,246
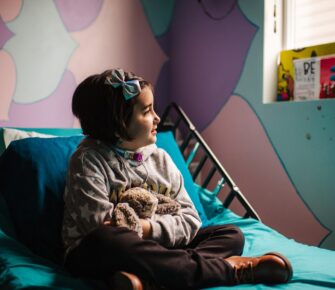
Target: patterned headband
130,88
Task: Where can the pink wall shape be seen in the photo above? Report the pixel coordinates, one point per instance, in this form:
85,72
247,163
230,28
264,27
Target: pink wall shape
9,9
7,83
52,112
241,144
119,37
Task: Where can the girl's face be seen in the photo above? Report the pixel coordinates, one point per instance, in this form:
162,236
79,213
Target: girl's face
143,123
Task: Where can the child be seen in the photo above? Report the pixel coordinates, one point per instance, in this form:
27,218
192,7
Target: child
116,113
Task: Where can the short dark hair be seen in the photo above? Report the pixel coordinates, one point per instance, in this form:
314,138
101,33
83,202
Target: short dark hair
102,110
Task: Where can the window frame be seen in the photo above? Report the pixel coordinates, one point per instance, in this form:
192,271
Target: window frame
272,45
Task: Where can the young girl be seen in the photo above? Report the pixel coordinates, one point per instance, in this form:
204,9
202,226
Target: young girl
116,113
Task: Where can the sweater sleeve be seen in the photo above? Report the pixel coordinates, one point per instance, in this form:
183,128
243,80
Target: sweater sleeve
87,193
179,229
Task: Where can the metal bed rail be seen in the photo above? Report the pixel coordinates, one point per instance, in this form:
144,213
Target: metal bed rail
191,145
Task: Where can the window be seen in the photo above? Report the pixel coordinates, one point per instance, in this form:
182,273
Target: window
308,22
290,24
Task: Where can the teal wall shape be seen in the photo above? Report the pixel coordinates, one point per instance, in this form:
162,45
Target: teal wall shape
159,14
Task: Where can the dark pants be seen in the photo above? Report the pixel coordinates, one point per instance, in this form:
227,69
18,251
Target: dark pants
198,265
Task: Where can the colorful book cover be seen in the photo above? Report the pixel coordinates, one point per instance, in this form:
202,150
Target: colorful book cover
327,77
286,69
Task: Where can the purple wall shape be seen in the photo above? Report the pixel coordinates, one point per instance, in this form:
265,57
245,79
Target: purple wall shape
5,33
206,57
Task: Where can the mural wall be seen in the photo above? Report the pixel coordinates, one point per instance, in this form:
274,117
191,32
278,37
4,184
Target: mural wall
281,155
49,46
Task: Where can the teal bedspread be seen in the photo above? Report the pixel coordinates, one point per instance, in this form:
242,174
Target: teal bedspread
25,262
314,268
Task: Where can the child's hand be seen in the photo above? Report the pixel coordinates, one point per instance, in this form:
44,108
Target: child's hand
146,228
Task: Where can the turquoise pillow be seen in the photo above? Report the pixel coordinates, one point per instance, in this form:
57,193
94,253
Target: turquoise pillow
33,172
49,131
167,141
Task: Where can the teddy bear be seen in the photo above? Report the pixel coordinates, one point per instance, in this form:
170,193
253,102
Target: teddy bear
138,203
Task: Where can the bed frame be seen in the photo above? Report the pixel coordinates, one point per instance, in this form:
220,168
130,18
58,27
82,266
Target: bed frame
204,166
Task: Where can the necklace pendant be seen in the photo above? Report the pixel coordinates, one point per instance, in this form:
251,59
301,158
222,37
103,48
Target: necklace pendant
138,157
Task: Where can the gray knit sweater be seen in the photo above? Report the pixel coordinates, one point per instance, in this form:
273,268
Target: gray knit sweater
97,176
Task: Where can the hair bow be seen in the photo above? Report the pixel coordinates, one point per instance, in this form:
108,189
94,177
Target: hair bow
130,88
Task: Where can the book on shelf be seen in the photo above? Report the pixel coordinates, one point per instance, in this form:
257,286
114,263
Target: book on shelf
307,73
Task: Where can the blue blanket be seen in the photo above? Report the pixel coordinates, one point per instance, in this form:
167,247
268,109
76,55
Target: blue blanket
314,268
